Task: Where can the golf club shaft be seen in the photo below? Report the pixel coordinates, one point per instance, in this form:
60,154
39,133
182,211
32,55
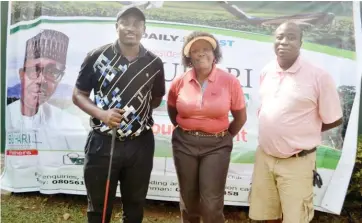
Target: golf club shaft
114,131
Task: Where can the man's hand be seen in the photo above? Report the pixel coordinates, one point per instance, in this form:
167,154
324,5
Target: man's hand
112,117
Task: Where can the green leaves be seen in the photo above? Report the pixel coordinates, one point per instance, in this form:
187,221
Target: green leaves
355,186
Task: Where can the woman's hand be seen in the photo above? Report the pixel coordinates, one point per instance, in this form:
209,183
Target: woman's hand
238,122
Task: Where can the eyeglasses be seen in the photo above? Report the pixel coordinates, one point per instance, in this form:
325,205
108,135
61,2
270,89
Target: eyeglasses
49,72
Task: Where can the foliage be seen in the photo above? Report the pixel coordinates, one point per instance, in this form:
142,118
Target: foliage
347,94
339,8
355,186
335,137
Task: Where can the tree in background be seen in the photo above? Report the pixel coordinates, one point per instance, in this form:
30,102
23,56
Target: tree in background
347,94
334,138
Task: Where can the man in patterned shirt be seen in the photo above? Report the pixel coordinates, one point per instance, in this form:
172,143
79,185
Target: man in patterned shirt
128,83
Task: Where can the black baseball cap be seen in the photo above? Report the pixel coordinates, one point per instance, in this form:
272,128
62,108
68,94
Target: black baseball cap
131,10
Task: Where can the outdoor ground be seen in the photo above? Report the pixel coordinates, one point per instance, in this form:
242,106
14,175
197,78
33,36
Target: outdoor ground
61,208
37,208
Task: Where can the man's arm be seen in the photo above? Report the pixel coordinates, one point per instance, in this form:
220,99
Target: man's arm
330,109
156,102
111,117
159,86
82,100
171,101
172,114
326,127
84,85
238,122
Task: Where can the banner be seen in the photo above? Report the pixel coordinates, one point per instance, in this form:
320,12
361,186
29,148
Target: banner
45,147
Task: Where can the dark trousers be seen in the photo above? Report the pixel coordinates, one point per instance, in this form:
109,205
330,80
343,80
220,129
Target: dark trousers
202,164
132,166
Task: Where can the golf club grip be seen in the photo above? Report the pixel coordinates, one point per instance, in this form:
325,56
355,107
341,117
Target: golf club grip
114,133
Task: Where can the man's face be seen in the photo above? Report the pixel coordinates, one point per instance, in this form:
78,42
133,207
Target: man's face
287,42
39,79
130,29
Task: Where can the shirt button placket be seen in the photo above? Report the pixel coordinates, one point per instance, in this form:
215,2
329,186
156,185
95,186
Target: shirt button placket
280,80
200,97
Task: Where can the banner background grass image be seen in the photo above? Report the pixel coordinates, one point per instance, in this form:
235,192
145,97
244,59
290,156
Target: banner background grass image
339,34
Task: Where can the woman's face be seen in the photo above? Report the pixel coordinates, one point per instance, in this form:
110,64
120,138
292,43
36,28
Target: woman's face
202,54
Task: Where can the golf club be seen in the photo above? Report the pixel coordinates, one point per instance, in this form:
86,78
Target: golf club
114,131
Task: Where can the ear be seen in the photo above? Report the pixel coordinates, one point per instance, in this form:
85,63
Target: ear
116,25
21,73
301,43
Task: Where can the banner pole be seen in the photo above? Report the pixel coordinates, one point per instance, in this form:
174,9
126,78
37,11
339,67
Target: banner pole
4,32
358,40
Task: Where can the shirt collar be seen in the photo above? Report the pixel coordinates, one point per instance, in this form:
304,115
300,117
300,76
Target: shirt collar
293,69
211,77
117,49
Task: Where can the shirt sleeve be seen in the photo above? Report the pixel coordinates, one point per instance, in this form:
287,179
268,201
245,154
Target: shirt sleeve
330,109
173,92
159,86
237,96
86,75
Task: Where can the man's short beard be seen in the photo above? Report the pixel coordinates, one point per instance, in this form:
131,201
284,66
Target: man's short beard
130,44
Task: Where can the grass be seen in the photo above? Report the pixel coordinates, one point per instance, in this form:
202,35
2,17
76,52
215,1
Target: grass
243,35
267,7
327,158
35,207
256,12
263,38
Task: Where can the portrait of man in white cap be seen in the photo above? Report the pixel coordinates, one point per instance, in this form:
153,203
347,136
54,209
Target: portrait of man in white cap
43,69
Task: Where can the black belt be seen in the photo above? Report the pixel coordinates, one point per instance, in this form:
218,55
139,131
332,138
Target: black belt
122,139
317,179
304,152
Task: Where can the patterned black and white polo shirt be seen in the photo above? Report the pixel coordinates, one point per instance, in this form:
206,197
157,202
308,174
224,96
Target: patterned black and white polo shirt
120,83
